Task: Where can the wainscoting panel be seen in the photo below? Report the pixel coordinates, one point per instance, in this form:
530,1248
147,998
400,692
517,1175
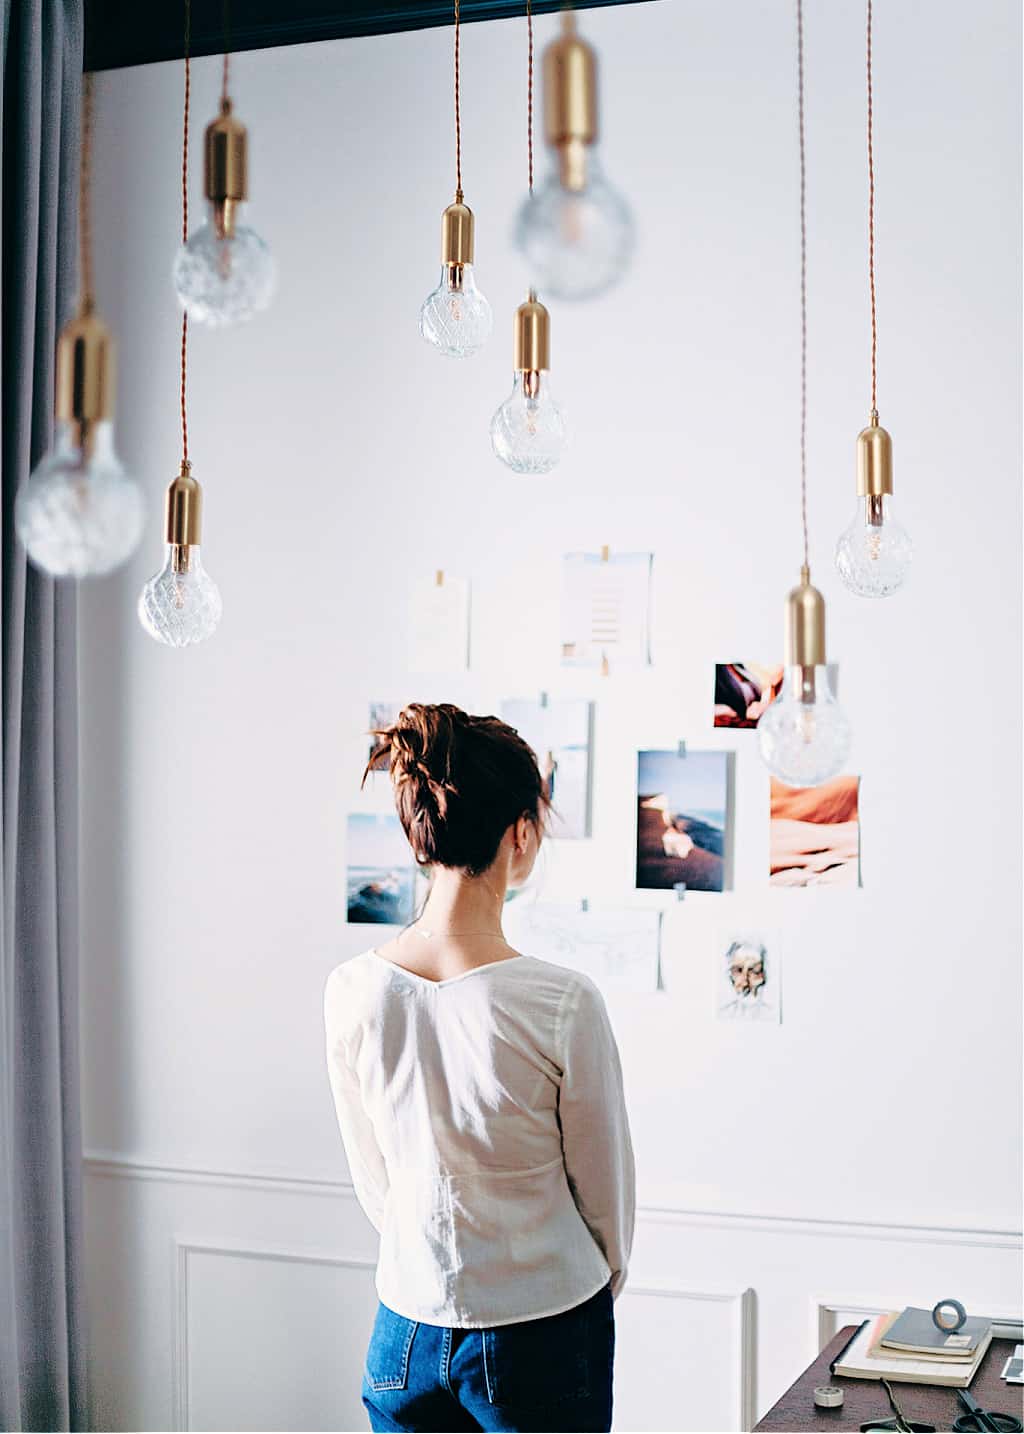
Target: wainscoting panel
224,1300
268,1339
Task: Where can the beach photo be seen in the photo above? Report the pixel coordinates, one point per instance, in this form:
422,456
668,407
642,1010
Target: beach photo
748,985
682,817
382,714
743,690
815,834
560,734
381,875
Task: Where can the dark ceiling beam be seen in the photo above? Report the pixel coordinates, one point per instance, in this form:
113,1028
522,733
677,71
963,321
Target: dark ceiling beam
137,32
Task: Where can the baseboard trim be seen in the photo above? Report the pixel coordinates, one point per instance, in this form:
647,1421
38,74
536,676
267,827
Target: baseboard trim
104,1165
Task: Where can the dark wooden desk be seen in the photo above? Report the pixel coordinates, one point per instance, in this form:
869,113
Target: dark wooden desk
866,1399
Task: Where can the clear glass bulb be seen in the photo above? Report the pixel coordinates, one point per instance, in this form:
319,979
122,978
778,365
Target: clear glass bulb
456,317
181,604
578,240
874,554
528,432
223,278
79,514
804,735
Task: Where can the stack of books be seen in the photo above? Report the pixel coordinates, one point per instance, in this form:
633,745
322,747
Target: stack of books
908,1347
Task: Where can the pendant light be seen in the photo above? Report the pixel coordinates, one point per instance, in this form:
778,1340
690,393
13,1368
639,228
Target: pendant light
181,604
79,514
576,231
225,272
804,735
873,555
528,431
456,317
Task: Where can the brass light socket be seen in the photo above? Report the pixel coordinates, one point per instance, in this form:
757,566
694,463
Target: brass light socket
570,89
184,509
532,337
457,225
226,168
570,102
805,625
86,373
874,461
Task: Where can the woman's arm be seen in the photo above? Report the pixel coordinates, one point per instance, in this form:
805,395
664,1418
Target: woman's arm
365,1160
596,1145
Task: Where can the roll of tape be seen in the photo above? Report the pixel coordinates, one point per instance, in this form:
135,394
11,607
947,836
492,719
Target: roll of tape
948,1315
828,1396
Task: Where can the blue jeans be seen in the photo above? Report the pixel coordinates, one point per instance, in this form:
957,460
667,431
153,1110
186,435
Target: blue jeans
541,1374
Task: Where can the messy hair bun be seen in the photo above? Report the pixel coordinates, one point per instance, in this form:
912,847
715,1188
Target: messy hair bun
460,782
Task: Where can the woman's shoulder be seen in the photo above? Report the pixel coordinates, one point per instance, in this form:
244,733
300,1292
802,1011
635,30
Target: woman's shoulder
354,973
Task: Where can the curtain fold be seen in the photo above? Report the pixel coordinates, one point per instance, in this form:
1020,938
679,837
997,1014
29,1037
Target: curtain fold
42,1357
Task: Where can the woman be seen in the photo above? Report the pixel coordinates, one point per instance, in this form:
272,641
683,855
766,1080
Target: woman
479,1095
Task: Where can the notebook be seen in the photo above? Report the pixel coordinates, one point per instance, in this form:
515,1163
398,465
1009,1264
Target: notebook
857,1362
915,1332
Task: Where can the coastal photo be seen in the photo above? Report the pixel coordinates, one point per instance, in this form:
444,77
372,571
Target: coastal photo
560,734
743,690
749,978
682,819
382,714
381,877
815,834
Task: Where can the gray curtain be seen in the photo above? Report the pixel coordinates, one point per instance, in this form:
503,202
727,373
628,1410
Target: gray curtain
42,1362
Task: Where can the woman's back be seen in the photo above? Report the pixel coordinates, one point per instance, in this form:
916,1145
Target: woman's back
484,1123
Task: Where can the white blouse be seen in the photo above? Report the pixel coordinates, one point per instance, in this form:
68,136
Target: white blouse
486,1132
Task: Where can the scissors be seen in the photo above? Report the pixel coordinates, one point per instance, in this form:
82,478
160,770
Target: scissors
977,1418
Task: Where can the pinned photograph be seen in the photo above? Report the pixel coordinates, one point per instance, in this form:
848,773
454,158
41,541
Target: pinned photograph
682,820
382,714
815,834
439,624
743,690
606,603
749,977
382,875
560,734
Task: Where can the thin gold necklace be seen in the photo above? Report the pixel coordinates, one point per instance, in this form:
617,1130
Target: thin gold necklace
426,935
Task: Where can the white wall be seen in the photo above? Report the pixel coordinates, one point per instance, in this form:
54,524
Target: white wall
818,1164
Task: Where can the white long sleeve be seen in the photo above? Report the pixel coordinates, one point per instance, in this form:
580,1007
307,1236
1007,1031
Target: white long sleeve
483,1120
365,1161
597,1148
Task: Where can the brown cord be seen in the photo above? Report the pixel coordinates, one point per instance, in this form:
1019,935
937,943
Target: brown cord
225,99
529,92
458,112
184,226
85,279
803,275
871,234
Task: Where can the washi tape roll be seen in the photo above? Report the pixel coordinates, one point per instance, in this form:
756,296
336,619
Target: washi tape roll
828,1396
948,1315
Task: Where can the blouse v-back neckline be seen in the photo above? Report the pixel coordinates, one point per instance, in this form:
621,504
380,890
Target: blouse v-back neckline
448,980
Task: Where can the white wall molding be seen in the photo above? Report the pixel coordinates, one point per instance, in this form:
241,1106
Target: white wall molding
183,1252
743,1306
108,1165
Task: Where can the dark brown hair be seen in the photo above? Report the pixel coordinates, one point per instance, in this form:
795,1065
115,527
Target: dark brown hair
460,782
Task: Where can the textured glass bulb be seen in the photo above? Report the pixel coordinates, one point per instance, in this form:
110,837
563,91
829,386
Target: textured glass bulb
579,240
223,277
873,556
528,431
181,604
456,317
804,735
79,514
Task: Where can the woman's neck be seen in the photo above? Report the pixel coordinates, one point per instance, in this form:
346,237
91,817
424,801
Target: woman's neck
461,905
